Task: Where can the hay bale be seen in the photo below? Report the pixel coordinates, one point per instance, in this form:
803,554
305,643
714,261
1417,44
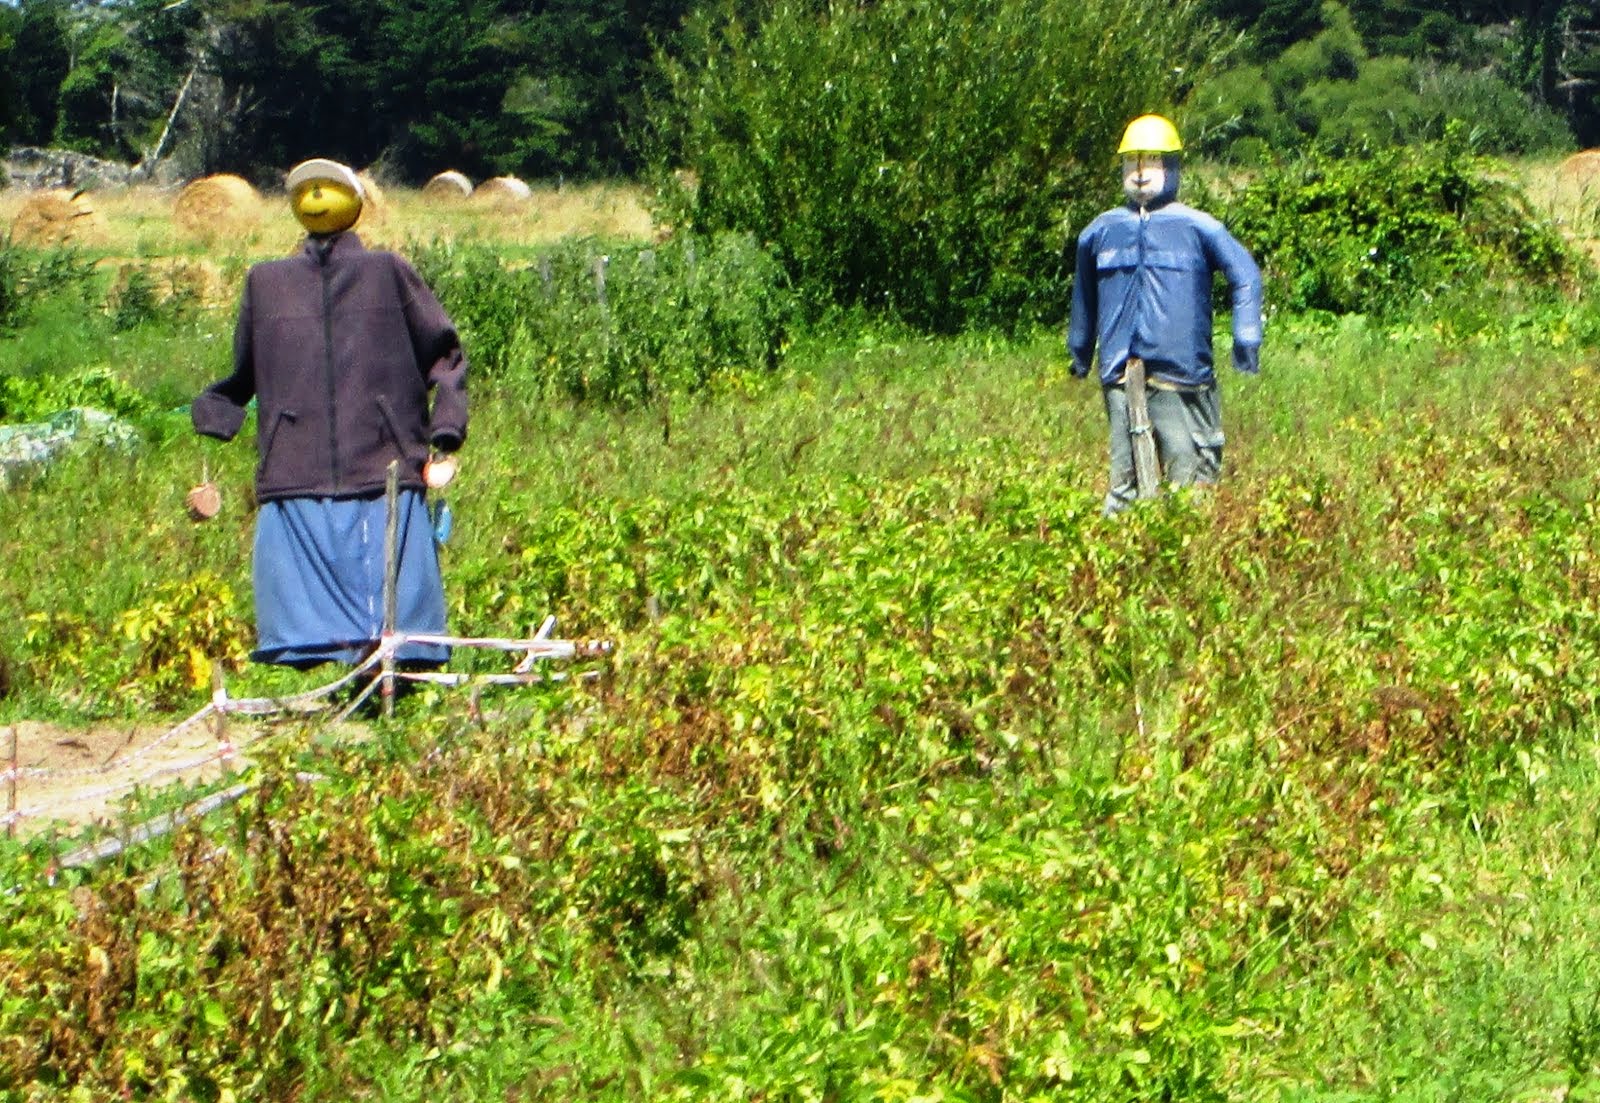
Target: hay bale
1581,169
174,280
502,191
56,217
448,185
213,206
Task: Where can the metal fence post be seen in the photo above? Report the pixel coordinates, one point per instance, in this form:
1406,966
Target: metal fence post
391,556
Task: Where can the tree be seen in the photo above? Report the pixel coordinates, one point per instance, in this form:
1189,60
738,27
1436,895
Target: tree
40,60
581,103
10,90
1271,25
918,156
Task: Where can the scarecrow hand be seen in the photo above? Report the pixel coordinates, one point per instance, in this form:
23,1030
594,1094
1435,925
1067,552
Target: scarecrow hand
1247,358
438,472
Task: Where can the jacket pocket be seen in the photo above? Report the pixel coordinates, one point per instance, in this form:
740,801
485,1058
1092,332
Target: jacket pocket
392,427
272,434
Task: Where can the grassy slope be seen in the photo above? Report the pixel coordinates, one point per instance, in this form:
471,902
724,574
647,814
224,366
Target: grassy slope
923,782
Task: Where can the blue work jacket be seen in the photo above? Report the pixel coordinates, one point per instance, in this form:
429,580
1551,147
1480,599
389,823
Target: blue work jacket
1143,288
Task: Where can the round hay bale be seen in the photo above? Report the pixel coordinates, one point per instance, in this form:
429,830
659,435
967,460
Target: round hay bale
502,191
201,281
1582,168
448,185
56,217
216,205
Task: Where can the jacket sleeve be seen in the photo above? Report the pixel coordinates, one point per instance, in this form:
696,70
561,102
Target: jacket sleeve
1244,282
219,410
439,357
1081,330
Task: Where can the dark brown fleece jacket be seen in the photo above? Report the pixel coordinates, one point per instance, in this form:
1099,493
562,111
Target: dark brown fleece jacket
340,347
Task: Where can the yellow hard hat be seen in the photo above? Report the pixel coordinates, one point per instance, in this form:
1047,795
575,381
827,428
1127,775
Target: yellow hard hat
1150,134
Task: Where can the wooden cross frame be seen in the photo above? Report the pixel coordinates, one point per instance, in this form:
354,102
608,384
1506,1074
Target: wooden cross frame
1146,466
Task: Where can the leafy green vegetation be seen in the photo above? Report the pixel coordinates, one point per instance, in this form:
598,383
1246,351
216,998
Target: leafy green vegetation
891,164
1384,230
568,89
1350,75
621,324
912,776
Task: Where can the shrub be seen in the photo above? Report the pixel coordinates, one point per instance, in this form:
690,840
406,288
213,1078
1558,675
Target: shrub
1374,232
621,325
34,396
912,156
26,277
141,298
1498,118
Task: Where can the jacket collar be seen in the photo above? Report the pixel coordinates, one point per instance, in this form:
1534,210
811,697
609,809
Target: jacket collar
322,249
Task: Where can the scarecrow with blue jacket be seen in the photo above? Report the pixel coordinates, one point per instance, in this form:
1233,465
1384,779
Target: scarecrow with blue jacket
341,348
1142,293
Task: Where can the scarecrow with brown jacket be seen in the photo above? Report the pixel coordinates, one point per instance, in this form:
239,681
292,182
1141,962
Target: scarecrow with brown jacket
340,347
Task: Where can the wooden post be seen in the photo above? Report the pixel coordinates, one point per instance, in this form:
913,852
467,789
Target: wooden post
391,567
220,724
1146,467
11,788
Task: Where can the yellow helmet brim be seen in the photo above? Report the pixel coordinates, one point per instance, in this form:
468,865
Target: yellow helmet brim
1150,134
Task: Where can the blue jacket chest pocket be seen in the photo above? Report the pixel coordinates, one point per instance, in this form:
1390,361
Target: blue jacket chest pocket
1174,260
1115,260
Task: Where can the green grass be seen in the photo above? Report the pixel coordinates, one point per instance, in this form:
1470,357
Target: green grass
912,778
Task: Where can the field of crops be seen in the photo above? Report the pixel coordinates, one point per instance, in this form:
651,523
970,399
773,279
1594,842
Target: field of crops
911,777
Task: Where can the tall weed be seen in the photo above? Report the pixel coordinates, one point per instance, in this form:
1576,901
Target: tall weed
28,276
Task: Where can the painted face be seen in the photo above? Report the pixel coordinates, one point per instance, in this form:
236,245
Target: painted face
1144,177
326,207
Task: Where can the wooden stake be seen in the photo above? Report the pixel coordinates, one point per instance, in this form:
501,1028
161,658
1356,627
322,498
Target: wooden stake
220,724
11,787
1146,467
391,567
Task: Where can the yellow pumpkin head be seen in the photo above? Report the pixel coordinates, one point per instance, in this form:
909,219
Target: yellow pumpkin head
325,196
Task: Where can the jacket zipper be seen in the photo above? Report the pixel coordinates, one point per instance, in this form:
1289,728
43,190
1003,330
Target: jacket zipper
327,365
1139,276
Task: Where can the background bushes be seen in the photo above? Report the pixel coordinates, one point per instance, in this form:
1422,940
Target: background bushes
1379,230
893,164
620,324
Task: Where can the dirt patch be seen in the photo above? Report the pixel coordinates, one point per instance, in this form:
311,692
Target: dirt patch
73,777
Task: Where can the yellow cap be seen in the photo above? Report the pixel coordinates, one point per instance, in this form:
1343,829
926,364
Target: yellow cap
1150,134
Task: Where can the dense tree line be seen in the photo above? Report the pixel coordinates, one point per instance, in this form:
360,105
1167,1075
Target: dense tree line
1548,50
563,86
484,86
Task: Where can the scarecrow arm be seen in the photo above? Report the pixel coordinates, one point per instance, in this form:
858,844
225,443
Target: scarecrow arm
1244,282
439,355
219,409
1085,307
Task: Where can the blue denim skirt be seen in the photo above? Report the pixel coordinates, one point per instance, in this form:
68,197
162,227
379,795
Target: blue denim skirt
319,580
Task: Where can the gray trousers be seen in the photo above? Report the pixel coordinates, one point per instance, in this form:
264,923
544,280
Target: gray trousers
1187,426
